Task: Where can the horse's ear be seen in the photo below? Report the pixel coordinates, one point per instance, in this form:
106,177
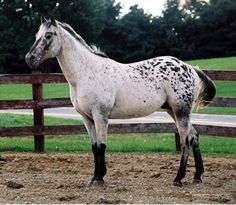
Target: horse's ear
43,19
53,21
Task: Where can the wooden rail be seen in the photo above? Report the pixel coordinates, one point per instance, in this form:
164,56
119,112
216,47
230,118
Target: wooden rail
38,104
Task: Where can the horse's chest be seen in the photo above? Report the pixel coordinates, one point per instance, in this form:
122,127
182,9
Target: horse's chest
89,98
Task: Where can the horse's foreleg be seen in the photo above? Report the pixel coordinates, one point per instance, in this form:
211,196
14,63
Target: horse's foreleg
90,127
100,163
183,125
197,157
99,148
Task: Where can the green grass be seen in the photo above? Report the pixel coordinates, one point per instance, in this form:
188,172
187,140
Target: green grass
226,63
56,90
216,110
143,143
24,91
225,88
17,120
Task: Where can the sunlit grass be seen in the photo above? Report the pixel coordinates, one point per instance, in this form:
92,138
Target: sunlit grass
226,63
120,143
17,120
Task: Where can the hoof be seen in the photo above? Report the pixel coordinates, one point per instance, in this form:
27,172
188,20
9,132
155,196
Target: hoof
197,181
98,183
178,184
95,183
90,183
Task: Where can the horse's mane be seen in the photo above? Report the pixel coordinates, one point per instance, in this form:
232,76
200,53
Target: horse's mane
92,48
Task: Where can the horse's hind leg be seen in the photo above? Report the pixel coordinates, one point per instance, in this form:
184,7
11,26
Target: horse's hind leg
194,142
197,156
182,118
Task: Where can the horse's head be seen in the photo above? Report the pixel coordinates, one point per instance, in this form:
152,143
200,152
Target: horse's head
47,44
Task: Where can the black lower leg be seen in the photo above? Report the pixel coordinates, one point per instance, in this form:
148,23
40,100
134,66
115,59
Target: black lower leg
198,160
96,161
99,159
182,168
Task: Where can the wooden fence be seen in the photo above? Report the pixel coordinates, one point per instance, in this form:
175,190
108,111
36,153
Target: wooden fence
38,104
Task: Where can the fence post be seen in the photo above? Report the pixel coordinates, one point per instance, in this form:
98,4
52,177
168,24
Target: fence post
177,143
37,92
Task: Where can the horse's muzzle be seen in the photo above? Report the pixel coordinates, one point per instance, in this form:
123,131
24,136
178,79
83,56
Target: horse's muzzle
31,60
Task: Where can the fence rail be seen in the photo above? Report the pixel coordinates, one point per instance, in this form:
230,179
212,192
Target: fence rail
38,104
115,129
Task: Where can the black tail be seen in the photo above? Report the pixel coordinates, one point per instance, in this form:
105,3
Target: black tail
208,89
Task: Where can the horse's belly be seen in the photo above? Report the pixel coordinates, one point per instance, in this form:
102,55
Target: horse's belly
126,114
131,108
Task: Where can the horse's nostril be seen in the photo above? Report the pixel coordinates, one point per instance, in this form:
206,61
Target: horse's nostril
32,57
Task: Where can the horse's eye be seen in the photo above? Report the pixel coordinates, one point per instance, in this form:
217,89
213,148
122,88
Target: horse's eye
48,36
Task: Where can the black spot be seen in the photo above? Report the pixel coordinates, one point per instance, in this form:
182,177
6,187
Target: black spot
145,67
175,59
169,64
185,68
158,63
184,74
176,69
163,68
151,62
182,79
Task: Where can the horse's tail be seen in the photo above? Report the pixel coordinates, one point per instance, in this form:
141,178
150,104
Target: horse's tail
208,89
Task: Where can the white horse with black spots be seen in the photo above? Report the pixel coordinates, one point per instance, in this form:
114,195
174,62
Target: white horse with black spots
102,89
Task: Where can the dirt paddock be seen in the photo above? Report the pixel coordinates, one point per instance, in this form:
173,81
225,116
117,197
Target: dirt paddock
131,178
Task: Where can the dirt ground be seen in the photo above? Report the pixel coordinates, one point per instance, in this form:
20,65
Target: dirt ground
131,178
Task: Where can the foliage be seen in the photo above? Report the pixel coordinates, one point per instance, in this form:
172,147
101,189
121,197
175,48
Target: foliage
19,21
192,31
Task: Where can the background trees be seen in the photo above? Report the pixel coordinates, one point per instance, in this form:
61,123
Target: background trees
194,30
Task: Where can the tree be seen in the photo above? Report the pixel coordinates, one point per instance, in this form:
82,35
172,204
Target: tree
109,38
127,39
19,21
167,30
194,30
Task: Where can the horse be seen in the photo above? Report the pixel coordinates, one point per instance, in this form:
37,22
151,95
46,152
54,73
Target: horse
102,89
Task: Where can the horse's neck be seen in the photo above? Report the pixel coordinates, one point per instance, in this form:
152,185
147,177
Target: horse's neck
74,59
